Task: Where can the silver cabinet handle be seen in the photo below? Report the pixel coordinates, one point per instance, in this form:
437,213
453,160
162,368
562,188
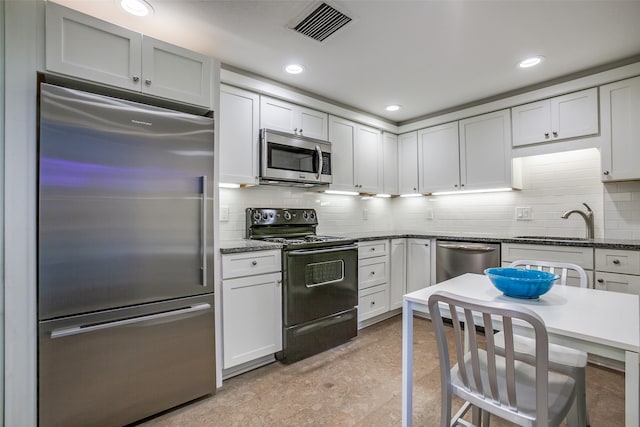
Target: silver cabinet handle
600,280
606,173
320,165
546,134
254,262
147,82
616,261
555,134
75,330
136,79
462,247
203,228
320,251
300,131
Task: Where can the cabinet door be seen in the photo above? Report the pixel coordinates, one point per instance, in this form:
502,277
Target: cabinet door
88,48
368,159
390,163
408,163
239,135
574,114
398,273
439,157
176,73
531,123
278,115
614,282
312,123
251,318
485,151
418,264
620,109
342,134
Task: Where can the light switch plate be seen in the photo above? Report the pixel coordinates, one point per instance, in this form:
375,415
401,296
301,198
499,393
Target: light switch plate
428,214
365,214
224,213
524,214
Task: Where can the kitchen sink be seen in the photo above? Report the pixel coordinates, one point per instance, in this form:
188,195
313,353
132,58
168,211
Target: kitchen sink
579,239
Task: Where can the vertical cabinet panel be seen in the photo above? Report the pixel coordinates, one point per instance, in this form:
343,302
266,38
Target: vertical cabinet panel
398,271
620,109
390,163
418,264
368,162
408,163
313,123
342,134
439,157
286,117
239,135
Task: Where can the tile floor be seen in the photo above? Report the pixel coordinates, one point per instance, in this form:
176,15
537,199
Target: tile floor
357,384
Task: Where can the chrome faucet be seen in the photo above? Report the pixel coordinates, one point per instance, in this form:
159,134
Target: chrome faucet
587,216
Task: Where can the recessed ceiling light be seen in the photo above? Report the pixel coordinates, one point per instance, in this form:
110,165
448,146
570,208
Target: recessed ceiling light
530,62
294,68
392,107
136,7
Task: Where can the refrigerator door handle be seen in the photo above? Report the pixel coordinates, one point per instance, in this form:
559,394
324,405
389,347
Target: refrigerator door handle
203,228
76,330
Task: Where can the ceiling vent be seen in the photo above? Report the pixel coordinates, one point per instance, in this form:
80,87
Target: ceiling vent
323,21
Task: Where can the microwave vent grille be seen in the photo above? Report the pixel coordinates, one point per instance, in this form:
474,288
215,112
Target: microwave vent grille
322,22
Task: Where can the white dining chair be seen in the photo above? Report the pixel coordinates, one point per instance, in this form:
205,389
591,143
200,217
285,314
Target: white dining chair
567,360
525,393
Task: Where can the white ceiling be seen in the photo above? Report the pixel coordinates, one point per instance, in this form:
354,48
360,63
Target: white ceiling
427,56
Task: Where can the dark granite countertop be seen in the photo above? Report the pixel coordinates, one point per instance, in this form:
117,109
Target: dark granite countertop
244,245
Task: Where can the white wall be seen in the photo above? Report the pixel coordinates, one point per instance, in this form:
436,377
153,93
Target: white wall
551,185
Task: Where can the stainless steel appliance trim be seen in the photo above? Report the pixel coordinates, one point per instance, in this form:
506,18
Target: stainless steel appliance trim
75,330
467,247
329,281
320,251
319,151
204,231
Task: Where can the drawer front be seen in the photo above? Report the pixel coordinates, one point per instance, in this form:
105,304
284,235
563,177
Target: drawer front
250,263
618,261
372,272
573,254
373,302
373,249
625,283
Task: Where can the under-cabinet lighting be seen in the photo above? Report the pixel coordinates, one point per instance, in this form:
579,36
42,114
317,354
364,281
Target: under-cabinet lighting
136,7
385,196
228,185
343,193
411,195
487,190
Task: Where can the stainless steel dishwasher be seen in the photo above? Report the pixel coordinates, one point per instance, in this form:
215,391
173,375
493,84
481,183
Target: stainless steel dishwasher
456,258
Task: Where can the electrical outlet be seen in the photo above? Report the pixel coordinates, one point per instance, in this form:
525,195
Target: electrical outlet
524,214
224,213
365,214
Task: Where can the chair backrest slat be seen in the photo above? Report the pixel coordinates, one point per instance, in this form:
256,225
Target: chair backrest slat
473,352
491,356
459,344
510,362
560,268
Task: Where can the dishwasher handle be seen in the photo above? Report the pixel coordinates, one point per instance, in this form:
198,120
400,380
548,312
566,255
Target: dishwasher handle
467,247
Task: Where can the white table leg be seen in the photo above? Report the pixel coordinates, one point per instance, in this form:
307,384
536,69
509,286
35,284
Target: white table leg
632,389
407,363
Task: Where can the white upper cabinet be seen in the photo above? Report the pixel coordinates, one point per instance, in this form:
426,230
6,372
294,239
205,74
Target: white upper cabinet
286,117
408,163
620,110
439,157
485,151
356,156
390,163
239,135
85,47
567,116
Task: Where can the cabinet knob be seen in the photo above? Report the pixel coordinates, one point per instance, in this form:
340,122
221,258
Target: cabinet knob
300,131
415,189
546,134
606,173
254,263
461,185
600,280
373,249
373,303
373,273
616,261
136,78
455,185
147,82
295,130
555,133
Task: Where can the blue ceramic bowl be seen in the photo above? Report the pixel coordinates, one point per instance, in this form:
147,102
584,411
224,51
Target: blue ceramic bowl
521,282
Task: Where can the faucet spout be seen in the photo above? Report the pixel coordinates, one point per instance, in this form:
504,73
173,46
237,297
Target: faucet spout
587,216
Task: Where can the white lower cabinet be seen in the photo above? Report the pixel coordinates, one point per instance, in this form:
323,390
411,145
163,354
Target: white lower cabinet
373,278
251,306
398,273
618,270
418,264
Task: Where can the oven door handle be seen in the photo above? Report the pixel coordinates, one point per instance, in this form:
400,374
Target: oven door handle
298,252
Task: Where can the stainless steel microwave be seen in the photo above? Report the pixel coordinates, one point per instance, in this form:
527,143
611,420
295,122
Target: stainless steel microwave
289,159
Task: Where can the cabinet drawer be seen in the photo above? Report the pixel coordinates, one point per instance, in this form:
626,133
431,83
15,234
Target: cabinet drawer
373,302
373,271
573,254
625,283
373,248
250,263
618,261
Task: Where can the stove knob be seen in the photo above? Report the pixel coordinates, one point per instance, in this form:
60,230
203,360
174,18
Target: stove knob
312,215
287,215
305,215
257,216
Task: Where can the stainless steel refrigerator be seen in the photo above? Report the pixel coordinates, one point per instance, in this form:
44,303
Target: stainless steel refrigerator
125,259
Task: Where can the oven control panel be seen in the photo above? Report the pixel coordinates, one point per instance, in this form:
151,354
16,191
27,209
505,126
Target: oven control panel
281,216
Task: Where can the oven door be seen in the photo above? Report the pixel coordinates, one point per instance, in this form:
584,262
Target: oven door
294,158
319,282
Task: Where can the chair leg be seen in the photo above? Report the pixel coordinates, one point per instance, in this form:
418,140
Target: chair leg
445,408
485,418
581,398
475,415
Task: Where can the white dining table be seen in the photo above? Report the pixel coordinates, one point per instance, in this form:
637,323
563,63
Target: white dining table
598,322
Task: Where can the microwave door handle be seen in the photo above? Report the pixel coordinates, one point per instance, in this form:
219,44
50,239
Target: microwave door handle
319,170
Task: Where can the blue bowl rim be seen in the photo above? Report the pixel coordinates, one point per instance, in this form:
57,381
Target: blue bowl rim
493,272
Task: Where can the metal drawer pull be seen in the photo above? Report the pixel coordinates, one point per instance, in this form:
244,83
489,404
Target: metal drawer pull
254,262
480,248
321,251
616,261
75,330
